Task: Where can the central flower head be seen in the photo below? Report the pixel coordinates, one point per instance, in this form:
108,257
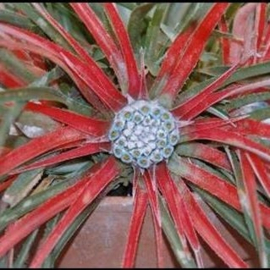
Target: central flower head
143,133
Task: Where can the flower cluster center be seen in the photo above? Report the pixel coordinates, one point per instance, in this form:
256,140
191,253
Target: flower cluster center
143,133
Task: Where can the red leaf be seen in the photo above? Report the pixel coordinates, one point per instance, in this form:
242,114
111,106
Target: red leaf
193,50
151,186
106,92
68,146
4,150
34,43
38,146
183,109
31,59
260,170
225,42
176,48
7,183
104,40
216,186
104,81
190,232
243,28
207,123
178,211
170,61
252,127
259,90
225,93
266,45
209,154
260,24
95,185
127,52
9,80
208,232
143,89
80,151
209,182
165,184
136,222
77,47
85,124
152,192
232,138
253,205
159,242
24,226
265,212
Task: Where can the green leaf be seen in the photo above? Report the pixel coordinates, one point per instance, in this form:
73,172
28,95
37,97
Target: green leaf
49,263
210,71
28,93
13,141
15,66
29,203
178,18
43,24
153,39
22,186
130,6
180,170
249,72
240,74
230,215
33,124
124,13
178,14
21,260
7,118
48,77
74,100
245,100
16,19
218,112
72,167
260,114
232,9
3,262
212,170
137,24
67,18
168,227
241,192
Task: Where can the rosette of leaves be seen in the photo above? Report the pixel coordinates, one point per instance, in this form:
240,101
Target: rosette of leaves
67,71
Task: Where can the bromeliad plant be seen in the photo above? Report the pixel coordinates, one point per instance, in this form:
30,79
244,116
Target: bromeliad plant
177,108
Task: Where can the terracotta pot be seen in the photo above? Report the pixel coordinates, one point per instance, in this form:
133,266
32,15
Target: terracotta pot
101,240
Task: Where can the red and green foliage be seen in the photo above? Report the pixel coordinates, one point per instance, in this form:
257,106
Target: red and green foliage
67,69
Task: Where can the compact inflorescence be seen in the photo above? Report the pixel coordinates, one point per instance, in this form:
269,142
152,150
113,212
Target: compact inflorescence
143,133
